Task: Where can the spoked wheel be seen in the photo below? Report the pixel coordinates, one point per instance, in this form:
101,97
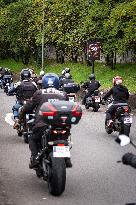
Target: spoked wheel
56,175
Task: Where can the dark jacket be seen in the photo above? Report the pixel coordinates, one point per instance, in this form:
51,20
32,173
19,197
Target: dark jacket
119,93
24,89
92,85
40,97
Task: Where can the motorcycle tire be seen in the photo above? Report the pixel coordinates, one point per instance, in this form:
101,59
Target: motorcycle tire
125,129
56,175
86,106
108,130
96,107
25,138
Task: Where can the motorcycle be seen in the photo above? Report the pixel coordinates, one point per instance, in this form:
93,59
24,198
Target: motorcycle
93,101
122,120
7,83
71,89
55,145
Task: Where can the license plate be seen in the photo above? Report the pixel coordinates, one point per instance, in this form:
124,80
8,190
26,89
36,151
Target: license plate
71,99
61,151
128,120
97,99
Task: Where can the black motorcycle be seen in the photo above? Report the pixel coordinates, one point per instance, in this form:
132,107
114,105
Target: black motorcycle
94,101
122,120
55,145
7,83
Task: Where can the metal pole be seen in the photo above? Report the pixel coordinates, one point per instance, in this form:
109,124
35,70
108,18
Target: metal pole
43,40
92,66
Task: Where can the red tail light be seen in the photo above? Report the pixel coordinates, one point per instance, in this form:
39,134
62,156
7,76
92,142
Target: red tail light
52,111
75,112
60,145
59,132
126,109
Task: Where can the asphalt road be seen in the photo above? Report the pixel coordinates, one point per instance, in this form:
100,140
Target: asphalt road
95,179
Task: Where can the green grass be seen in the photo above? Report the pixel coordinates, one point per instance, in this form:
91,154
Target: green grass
80,72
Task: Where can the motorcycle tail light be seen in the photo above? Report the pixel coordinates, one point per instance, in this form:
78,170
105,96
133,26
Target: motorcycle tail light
59,132
61,145
126,109
52,111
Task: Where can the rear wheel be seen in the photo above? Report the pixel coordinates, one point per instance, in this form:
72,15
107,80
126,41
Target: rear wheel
96,107
125,129
86,106
56,175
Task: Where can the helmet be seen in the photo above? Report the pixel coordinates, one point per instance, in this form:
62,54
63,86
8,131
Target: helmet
25,74
42,73
67,70
50,80
117,80
67,75
63,72
92,76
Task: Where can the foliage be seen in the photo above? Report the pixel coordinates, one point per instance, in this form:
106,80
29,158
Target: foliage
80,72
67,24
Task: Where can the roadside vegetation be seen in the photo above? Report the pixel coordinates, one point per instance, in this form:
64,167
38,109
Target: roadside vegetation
80,72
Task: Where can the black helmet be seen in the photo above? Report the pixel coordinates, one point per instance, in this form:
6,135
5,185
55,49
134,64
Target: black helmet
25,74
50,80
92,76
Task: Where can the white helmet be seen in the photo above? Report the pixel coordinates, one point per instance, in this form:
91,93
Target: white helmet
42,73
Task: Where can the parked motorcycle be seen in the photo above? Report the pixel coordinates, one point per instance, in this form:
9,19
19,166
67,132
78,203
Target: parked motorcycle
93,101
55,145
122,120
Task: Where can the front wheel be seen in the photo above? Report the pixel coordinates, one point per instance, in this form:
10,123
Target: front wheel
56,175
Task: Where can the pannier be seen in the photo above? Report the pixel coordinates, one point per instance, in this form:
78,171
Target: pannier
60,113
71,88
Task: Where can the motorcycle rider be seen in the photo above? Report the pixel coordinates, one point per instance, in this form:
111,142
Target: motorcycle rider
91,86
49,92
24,90
119,93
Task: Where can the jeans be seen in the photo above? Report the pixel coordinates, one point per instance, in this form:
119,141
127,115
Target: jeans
16,109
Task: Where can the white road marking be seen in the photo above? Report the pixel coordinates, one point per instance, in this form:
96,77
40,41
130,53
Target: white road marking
9,119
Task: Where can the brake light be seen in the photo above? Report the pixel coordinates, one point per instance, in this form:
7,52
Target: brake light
59,132
75,112
126,109
52,111
61,145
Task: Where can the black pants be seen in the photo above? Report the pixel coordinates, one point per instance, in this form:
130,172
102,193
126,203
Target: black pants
111,111
35,139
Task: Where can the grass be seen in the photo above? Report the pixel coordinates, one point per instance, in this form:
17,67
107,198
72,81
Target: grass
80,72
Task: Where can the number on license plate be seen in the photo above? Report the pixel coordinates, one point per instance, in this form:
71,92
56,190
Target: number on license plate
97,99
127,120
61,151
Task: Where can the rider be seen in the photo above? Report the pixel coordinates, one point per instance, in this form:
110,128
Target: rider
24,90
49,91
119,93
91,86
